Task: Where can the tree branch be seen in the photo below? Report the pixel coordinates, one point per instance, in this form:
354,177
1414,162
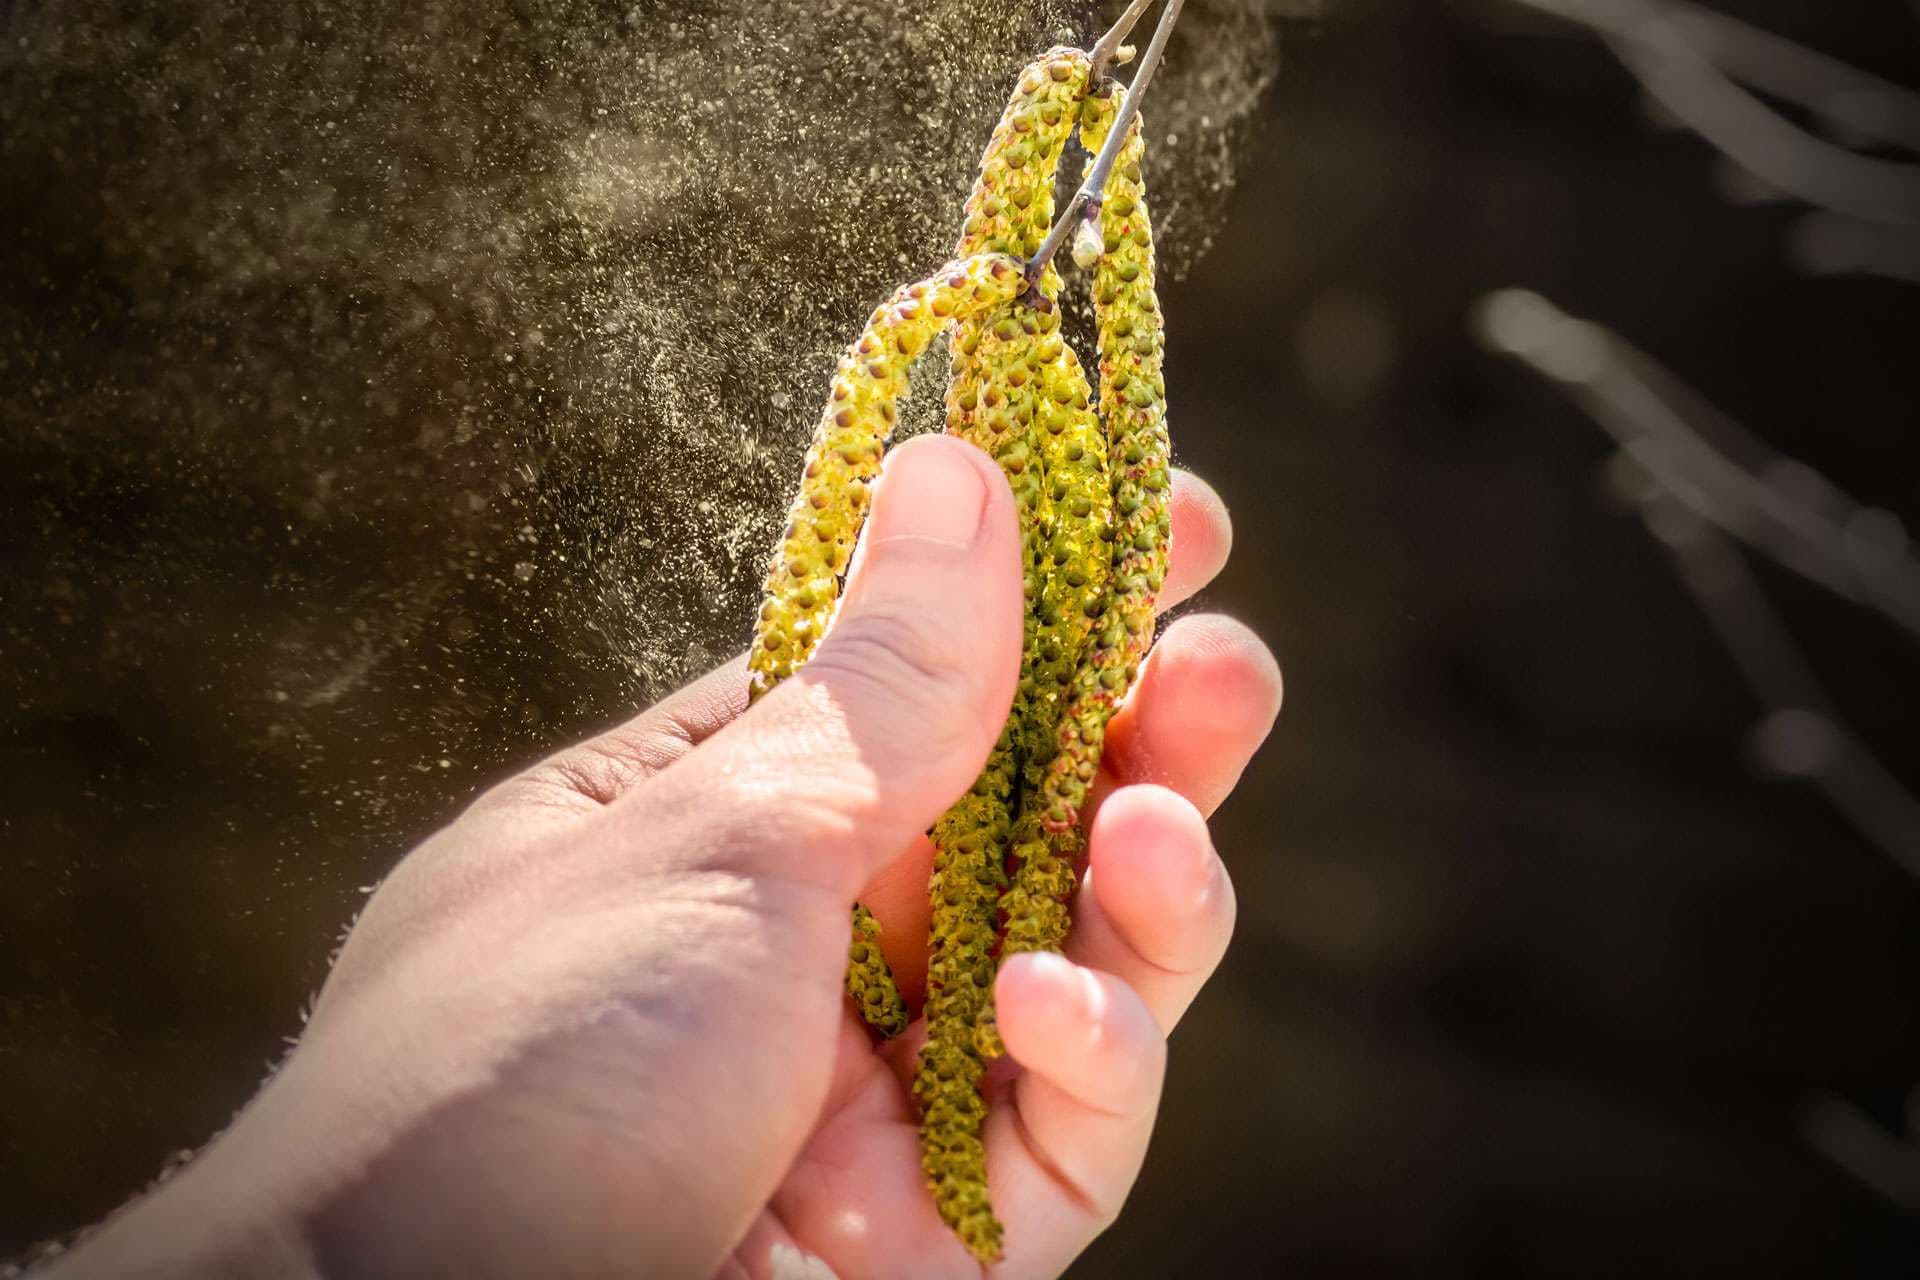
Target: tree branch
1867,104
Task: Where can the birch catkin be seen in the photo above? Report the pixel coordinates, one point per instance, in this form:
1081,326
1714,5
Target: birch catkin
1133,404
1074,600
803,582
995,399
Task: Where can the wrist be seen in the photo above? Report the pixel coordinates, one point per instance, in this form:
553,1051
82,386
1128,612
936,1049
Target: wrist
196,1224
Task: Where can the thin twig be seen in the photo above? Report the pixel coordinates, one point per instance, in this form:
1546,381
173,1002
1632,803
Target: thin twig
1089,194
1107,47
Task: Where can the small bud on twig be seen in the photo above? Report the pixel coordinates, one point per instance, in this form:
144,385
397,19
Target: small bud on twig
1087,241
1096,182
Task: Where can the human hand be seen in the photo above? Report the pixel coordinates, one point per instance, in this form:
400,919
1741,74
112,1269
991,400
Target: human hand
596,1025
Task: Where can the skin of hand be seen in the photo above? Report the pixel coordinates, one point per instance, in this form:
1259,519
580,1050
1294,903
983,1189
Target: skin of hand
596,1026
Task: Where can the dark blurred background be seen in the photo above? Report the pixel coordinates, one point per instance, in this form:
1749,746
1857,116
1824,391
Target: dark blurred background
1543,968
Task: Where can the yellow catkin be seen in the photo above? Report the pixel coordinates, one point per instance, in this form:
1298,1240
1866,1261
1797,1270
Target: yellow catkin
1071,544
803,581
1133,404
870,982
1046,831
1078,553
995,399
1011,206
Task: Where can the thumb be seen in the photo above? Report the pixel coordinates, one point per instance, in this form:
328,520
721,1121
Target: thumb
829,775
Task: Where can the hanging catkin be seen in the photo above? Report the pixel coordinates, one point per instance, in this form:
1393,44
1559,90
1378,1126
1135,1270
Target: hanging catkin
803,581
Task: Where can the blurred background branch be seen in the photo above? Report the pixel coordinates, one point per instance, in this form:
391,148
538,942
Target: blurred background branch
1719,470
1692,62
1707,45
1704,485
1692,496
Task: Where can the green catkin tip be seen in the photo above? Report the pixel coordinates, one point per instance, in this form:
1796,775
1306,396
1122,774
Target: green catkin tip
870,982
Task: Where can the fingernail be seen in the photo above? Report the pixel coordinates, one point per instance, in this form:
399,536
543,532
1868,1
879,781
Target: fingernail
930,491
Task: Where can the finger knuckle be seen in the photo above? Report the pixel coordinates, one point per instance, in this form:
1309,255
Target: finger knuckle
905,661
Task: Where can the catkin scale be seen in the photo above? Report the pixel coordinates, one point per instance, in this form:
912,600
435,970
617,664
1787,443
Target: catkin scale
803,580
